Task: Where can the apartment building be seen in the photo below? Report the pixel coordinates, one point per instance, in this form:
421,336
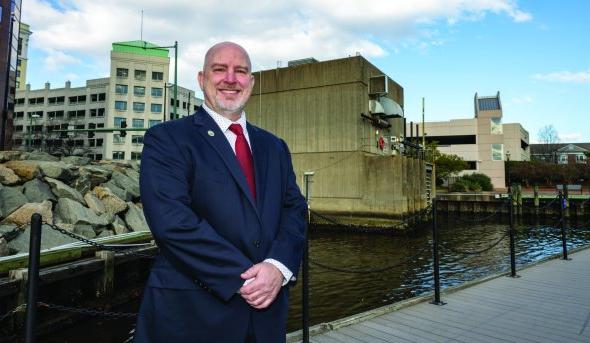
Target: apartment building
23,58
136,92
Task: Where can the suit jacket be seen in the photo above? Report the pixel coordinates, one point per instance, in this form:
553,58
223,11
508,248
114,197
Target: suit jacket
209,230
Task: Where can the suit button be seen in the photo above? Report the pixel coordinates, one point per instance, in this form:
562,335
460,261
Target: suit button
257,243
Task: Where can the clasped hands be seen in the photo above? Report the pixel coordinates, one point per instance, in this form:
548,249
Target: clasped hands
264,287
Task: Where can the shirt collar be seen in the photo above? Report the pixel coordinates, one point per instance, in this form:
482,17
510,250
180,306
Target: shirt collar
223,122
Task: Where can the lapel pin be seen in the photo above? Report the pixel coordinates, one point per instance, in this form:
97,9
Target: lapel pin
211,133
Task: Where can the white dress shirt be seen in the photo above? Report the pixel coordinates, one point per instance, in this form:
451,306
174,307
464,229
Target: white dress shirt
224,124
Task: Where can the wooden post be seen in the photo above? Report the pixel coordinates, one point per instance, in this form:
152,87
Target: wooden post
22,275
536,198
106,284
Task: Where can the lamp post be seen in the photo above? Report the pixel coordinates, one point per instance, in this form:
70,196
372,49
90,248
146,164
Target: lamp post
29,139
166,86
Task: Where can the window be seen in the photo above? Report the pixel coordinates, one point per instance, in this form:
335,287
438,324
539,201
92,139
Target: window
77,114
156,92
55,114
56,100
117,139
98,97
121,105
36,101
123,73
157,108
99,142
184,105
157,75
118,155
20,101
91,142
153,122
118,121
19,114
496,126
137,123
98,156
497,152
137,139
121,89
79,127
138,106
97,112
18,128
139,74
138,90
136,156
77,99
36,114
100,125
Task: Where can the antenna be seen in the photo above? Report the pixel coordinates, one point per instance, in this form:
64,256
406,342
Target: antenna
141,29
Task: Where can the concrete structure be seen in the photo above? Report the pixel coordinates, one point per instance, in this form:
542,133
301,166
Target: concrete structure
339,118
561,153
23,56
10,13
483,141
137,92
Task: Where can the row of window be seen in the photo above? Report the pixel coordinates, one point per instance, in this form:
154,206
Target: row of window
59,142
49,128
60,100
93,112
138,90
120,155
135,122
135,139
138,106
139,74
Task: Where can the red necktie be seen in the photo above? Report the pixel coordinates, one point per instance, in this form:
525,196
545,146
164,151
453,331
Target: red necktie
244,156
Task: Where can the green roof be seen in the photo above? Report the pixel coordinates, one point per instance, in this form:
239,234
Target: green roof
140,47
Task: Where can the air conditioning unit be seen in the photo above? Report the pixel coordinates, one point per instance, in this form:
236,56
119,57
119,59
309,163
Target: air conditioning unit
378,85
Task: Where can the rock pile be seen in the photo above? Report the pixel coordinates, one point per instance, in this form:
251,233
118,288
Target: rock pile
91,199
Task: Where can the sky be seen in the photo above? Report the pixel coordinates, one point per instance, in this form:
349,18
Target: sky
536,53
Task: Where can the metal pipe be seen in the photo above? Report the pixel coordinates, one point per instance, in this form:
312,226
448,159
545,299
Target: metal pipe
33,278
305,268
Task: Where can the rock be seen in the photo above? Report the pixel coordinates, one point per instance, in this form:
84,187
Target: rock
127,183
9,156
76,160
41,156
119,226
112,203
27,170
105,233
10,200
85,230
38,191
7,176
72,212
49,239
135,219
58,170
24,213
118,191
132,174
97,175
61,190
94,203
4,250
82,184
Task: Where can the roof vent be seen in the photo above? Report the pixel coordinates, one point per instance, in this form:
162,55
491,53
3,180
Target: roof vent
301,61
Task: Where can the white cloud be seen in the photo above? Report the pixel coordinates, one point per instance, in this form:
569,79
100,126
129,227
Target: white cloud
269,30
565,76
527,99
57,60
570,137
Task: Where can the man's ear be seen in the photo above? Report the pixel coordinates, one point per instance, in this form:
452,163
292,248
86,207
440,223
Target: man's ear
200,77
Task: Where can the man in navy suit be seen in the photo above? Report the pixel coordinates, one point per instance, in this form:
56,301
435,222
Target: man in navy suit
221,200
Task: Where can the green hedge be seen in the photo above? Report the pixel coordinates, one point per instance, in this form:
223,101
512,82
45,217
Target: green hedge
475,182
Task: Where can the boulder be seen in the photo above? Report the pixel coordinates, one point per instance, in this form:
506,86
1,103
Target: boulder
58,170
132,174
41,156
119,226
4,250
82,184
38,191
112,203
27,170
9,156
135,219
72,212
127,183
61,190
49,239
24,213
94,203
76,160
10,199
96,174
7,176
85,230
118,191
105,233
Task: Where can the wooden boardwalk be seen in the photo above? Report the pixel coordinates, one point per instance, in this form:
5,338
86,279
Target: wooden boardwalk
550,302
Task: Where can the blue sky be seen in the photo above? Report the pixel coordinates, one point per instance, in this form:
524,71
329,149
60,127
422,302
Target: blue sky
536,53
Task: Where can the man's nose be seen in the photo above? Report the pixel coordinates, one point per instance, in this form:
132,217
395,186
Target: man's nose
230,77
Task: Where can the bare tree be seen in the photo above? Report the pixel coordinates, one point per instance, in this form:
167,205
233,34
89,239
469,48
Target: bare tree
549,138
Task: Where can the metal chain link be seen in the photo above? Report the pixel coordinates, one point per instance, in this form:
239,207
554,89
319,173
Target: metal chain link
368,271
12,312
90,312
93,243
474,252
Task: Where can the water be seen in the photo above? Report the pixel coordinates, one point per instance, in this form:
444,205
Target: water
407,261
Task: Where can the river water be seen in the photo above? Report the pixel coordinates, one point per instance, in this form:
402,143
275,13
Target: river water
374,270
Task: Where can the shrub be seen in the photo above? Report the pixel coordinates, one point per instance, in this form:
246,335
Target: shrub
461,185
482,181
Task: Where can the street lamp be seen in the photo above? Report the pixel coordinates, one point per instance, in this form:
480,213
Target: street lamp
35,116
508,170
166,86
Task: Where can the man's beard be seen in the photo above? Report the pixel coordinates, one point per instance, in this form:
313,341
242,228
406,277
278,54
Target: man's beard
229,106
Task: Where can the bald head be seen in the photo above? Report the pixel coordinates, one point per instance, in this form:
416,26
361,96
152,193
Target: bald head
225,45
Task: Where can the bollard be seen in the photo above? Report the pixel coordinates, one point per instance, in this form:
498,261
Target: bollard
34,256
512,245
562,205
436,266
305,267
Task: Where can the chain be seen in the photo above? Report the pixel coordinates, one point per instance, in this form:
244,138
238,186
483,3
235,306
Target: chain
475,252
481,219
13,311
93,243
404,222
368,271
12,234
86,311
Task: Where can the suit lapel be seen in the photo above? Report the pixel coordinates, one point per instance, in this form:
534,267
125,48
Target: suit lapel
210,132
260,155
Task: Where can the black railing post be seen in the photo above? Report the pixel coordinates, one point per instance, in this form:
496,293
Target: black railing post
562,224
511,234
33,278
305,267
436,265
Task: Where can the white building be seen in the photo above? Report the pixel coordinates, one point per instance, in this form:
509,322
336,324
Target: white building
136,92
